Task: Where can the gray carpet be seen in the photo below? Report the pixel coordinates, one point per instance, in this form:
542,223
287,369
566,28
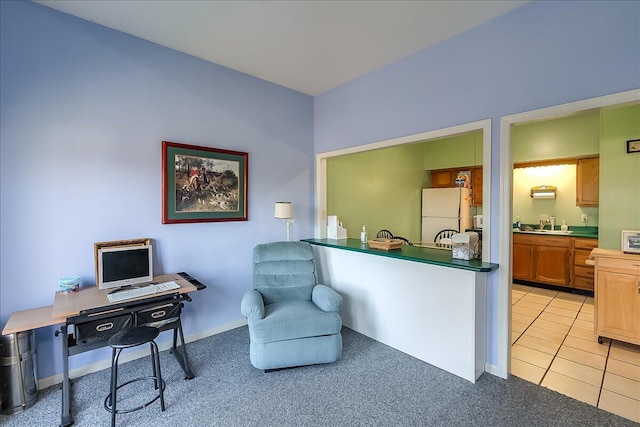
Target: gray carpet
371,384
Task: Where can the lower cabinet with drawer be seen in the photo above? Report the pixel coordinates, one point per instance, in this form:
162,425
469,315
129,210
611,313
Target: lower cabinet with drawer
583,276
617,295
553,260
542,259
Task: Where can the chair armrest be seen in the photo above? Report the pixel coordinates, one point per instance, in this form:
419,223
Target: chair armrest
252,305
326,298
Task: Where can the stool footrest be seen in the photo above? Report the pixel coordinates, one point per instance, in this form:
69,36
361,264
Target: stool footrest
107,404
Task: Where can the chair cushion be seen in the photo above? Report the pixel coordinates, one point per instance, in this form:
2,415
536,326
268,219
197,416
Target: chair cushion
284,271
291,320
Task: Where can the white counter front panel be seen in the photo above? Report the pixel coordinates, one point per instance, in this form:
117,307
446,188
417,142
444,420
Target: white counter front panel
434,313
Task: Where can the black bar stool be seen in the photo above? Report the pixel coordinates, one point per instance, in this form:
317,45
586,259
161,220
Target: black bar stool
126,339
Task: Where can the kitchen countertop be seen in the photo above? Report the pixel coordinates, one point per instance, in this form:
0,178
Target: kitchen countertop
582,232
410,253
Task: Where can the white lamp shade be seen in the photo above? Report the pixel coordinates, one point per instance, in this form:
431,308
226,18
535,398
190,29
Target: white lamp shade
283,210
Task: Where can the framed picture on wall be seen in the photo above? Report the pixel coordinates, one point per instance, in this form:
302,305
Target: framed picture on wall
203,184
633,146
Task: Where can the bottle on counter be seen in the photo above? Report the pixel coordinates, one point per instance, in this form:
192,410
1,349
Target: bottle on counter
363,234
518,224
564,226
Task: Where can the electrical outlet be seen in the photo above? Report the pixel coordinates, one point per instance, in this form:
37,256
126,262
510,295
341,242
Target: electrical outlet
583,217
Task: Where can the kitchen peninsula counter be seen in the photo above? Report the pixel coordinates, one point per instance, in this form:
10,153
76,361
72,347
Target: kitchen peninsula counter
441,257
417,300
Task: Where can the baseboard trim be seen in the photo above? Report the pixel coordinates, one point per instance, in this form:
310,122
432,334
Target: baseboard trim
127,357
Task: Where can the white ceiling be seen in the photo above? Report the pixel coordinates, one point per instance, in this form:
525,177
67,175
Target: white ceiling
308,46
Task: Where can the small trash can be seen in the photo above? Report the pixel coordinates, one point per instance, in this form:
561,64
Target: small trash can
19,389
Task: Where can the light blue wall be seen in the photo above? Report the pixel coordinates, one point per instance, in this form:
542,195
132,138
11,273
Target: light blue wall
539,55
83,112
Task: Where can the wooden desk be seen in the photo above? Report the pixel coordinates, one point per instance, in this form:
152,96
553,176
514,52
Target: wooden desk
33,318
71,304
91,304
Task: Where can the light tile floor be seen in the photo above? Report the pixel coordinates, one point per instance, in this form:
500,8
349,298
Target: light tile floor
554,345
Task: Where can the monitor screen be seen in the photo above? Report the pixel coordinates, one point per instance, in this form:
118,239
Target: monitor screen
125,265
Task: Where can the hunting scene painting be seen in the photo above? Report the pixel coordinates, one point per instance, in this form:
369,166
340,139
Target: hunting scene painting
203,184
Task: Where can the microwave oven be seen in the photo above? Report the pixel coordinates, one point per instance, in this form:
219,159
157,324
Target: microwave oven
631,241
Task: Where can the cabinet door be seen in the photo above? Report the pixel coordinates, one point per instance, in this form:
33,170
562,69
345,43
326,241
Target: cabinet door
522,261
552,265
443,178
476,186
587,182
618,304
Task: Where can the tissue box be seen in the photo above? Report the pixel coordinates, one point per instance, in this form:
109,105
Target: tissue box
465,245
336,232
335,229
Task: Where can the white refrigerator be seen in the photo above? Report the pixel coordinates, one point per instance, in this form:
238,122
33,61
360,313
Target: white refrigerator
444,208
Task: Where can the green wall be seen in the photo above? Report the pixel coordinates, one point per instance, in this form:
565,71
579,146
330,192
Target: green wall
382,188
619,174
573,136
451,152
563,207
379,189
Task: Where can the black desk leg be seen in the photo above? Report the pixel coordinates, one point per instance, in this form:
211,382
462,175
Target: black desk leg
66,419
182,359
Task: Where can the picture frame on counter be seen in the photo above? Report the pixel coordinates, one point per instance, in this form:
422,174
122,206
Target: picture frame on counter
633,146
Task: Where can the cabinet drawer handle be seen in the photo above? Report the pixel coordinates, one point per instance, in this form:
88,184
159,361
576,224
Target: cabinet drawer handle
104,327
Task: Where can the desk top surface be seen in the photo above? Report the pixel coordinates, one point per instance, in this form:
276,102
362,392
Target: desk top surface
71,304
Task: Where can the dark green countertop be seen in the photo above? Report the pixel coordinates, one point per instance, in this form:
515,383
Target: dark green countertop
410,253
576,231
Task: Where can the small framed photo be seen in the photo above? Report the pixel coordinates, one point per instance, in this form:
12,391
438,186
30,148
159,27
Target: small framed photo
633,146
203,184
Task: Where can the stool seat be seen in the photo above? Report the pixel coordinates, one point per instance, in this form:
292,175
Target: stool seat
133,337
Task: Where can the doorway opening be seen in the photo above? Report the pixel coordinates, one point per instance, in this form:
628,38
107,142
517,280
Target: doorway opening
484,126
506,200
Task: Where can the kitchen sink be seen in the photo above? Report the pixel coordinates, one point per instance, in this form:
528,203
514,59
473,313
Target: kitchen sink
548,232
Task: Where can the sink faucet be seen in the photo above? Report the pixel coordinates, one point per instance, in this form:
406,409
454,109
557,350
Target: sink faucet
553,223
543,222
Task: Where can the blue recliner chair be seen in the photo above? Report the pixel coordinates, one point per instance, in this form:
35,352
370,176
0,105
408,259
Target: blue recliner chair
292,320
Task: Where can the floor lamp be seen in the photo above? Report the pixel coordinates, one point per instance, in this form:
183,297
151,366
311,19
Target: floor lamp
284,212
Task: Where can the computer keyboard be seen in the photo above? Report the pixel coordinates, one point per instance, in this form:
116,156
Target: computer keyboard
143,291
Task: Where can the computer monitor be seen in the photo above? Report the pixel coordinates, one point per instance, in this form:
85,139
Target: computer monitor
124,266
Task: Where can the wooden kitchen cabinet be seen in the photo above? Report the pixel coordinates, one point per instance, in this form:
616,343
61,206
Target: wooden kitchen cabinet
476,186
446,178
443,178
587,182
553,260
542,259
523,261
617,295
583,274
